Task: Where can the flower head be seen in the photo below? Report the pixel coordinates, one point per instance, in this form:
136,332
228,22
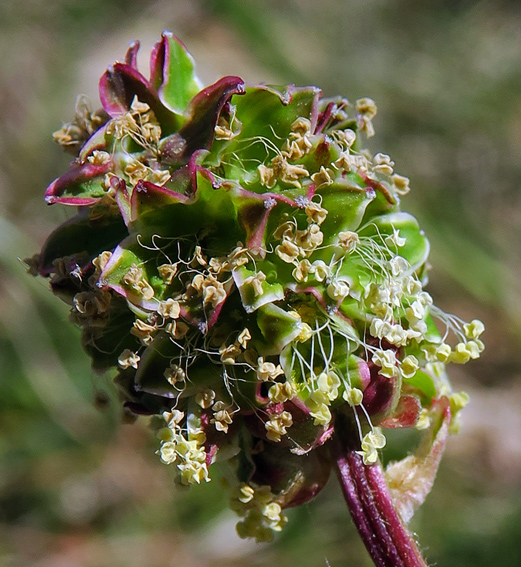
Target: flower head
245,265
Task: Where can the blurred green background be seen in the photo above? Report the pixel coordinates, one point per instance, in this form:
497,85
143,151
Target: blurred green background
80,489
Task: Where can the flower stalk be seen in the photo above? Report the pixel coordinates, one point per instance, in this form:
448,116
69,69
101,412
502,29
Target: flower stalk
386,537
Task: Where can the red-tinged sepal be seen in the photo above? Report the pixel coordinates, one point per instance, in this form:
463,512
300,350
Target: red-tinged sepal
122,197
405,414
131,55
203,112
381,394
121,84
96,142
148,197
81,186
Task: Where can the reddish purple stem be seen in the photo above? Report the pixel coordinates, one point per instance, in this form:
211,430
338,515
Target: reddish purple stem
387,539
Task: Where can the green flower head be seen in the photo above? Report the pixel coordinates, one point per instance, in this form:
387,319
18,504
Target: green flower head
243,263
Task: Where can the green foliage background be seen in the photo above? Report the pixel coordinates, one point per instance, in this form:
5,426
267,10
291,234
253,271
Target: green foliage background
78,487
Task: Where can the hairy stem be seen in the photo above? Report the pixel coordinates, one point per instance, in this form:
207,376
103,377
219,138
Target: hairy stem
387,539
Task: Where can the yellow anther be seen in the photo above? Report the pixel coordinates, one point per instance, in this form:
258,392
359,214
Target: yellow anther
323,177
167,272
353,396
128,359
401,184
371,442
474,329
305,334
277,426
205,398
267,371
409,366
348,241
169,309
280,393
174,374
386,359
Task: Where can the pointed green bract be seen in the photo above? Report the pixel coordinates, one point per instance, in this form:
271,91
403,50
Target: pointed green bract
179,83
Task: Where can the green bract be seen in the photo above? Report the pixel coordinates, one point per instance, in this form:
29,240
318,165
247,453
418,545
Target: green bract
243,262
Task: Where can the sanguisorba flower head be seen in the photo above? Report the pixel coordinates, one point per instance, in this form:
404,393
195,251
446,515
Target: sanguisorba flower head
245,265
